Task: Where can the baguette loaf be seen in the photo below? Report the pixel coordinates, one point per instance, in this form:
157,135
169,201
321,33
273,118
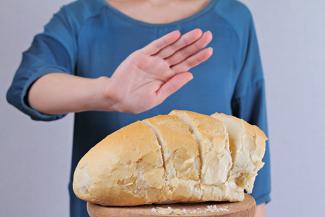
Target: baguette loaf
180,157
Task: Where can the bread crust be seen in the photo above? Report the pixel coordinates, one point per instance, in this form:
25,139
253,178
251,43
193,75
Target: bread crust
180,157
124,168
247,145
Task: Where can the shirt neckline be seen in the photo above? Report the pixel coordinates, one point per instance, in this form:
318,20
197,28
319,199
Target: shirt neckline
130,19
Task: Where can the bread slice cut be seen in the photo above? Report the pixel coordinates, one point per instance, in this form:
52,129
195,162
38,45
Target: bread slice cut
181,156
124,168
212,138
247,145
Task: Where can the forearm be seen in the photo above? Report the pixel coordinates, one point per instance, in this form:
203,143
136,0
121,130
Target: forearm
60,93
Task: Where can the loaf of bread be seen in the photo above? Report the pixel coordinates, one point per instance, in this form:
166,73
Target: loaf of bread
180,157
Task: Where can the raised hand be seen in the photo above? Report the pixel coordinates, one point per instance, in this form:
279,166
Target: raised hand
151,74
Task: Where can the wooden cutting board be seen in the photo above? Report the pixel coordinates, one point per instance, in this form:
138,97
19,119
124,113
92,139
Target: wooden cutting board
245,208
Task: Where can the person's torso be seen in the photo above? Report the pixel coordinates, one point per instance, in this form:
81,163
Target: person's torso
107,38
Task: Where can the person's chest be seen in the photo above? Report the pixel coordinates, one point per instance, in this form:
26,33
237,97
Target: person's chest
104,43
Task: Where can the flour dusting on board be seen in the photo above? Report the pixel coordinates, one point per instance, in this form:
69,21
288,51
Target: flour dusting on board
175,211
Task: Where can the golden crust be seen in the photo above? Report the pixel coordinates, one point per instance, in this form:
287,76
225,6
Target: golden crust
247,144
181,157
212,138
126,164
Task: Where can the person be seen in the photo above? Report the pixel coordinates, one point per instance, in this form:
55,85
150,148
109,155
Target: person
117,61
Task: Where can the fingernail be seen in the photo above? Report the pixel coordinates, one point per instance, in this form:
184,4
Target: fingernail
209,32
198,30
176,31
210,50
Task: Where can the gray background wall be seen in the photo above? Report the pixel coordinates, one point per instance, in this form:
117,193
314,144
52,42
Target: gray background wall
35,156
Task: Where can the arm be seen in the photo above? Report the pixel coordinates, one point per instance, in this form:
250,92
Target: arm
59,93
45,87
143,80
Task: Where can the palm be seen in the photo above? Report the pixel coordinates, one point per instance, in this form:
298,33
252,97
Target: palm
145,77
149,75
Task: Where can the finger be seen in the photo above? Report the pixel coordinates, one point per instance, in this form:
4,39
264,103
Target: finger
160,43
190,50
187,39
173,85
193,61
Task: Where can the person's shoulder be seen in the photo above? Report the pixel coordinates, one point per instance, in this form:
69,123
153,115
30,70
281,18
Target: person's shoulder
233,9
79,11
236,13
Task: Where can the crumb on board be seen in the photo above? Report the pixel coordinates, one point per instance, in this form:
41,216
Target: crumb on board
175,211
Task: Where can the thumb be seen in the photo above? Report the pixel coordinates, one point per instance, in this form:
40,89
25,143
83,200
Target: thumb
173,85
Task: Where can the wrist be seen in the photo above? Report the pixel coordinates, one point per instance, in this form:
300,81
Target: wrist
104,96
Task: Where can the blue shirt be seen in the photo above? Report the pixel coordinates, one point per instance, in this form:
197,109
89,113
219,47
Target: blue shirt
89,38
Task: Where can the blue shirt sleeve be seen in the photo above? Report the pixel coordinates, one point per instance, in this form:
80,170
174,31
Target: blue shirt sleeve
249,103
54,50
